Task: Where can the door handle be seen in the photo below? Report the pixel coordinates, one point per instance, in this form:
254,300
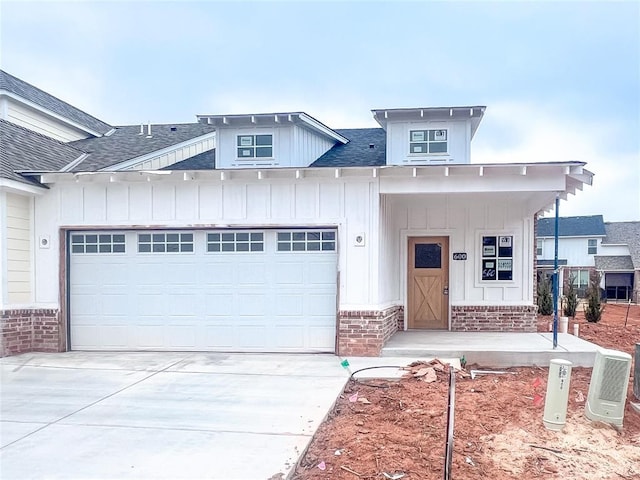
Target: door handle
445,291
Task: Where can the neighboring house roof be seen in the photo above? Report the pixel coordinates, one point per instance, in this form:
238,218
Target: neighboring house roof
550,263
23,150
613,262
22,89
627,233
202,161
572,226
367,147
126,143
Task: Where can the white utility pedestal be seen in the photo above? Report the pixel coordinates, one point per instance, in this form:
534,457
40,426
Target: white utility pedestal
555,404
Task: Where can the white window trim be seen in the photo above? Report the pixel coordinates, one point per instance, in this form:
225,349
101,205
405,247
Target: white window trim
426,154
516,272
254,158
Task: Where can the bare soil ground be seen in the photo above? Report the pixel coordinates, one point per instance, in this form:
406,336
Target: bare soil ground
399,428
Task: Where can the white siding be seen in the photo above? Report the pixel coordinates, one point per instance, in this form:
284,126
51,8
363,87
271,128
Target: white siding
613,250
572,249
38,122
293,146
175,156
464,219
18,248
307,147
348,204
459,141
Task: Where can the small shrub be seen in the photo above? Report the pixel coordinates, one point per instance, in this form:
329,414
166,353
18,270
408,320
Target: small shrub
570,300
545,298
594,307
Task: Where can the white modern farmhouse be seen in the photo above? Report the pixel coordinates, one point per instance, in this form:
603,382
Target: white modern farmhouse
259,232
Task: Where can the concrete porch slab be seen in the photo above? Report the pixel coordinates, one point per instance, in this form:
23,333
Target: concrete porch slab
492,349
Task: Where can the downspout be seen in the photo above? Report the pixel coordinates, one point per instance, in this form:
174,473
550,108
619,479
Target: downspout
555,276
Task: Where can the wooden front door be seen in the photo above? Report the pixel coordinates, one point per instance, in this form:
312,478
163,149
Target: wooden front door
428,283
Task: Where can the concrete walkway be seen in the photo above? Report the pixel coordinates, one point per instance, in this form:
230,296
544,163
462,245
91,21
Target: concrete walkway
492,349
161,415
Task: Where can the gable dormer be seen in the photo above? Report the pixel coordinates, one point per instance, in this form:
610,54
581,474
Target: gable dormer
270,140
425,136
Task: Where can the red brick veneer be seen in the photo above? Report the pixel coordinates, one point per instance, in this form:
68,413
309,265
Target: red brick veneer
364,332
30,330
477,318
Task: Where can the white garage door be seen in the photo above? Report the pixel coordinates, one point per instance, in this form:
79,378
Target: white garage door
244,290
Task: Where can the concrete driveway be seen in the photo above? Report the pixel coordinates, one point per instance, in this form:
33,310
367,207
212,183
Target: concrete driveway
161,415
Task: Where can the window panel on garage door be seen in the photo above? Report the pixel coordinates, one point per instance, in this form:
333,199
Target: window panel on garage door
307,241
165,242
215,290
241,241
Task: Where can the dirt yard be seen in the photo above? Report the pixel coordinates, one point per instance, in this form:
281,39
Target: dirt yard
397,430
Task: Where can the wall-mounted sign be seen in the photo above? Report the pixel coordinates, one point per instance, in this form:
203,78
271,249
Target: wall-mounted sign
460,256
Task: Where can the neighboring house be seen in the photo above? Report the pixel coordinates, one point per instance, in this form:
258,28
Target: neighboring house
288,236
619,261
586,245
579,241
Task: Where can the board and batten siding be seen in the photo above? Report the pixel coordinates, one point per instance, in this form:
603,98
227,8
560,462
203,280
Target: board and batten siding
39,122
307,147
175,156
459,141
293,146
18,248
464,219
348,205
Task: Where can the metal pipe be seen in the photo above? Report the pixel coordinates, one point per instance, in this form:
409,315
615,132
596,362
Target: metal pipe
555,276
450,417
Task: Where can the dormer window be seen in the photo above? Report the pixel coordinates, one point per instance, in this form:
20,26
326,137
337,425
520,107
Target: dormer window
427,142
255,146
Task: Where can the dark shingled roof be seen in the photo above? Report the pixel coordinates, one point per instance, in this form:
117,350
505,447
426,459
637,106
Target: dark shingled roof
22,149
627,233
202,161
43,99
572,226
126,143
613,262
357,152
550,263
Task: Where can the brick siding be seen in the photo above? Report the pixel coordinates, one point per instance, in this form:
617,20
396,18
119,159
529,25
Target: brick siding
479,318
363,333
30,330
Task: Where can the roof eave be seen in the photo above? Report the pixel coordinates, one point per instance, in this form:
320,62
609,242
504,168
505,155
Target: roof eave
475,112
50,113
252,119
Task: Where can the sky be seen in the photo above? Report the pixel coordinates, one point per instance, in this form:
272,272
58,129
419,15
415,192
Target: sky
560,80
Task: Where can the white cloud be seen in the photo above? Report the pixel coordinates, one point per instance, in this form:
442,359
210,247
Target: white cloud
336,110
522,132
